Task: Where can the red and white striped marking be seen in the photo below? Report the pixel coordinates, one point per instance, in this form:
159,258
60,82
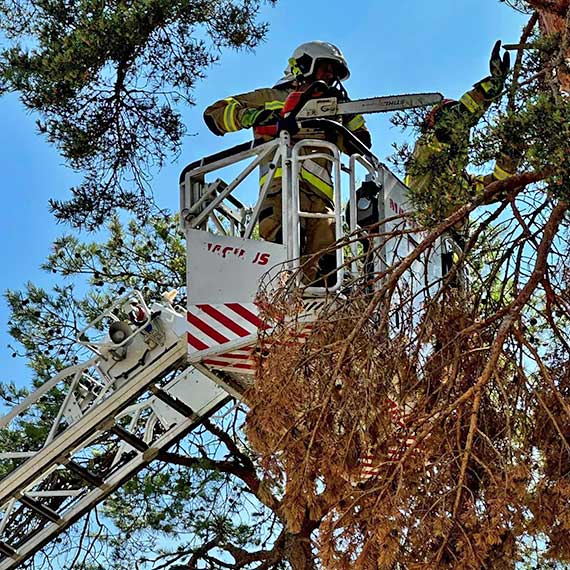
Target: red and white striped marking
211,326
396,452
239,360
371,464
369,467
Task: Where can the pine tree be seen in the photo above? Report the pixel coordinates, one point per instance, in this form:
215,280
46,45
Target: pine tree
108,79
469,471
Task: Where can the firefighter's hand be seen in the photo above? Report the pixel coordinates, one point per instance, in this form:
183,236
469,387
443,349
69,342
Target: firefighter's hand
492,85
288,124
498,66
266,117
259,117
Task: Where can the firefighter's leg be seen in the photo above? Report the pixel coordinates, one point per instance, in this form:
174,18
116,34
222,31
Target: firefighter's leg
450,258
270,215
319,236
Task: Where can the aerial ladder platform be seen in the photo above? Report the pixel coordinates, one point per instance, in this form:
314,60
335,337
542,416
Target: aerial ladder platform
155,371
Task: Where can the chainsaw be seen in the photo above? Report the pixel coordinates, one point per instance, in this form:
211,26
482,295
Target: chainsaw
330,106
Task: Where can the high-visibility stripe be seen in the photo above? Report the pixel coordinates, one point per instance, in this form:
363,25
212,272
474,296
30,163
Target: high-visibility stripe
325,188
229,114
486,86
312,179
274,105
312,171
478,183
278,174
501,174
470,103
355,123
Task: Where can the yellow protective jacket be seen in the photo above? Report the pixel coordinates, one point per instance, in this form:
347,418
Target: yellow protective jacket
239,112
436,162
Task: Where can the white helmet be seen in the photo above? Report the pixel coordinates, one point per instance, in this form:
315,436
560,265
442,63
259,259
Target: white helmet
304,61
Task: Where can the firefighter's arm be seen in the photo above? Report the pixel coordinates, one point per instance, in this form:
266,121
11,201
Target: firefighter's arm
259,107
487,90
428,157
473,104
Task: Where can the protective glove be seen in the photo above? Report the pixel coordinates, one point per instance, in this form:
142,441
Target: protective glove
259,117
492,86
499,67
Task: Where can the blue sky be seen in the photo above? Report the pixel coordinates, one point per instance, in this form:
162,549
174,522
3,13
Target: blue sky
392,47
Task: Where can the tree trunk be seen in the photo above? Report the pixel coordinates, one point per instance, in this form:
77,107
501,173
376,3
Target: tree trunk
298,552
553,17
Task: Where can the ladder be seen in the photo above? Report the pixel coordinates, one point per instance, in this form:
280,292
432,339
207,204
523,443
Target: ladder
118,411
153,373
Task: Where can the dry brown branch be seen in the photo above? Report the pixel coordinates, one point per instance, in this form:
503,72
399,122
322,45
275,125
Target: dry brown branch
407,422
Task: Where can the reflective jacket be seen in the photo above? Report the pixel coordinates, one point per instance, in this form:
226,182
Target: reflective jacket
441,156
239,112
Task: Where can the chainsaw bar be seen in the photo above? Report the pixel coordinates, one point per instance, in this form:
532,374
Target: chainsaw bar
329,106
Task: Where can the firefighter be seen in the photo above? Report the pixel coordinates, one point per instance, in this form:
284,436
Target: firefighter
262,110
436,173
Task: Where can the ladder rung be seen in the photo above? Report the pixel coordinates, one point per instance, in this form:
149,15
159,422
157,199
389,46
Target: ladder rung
40,509
84,474
7,550
174,403
131,439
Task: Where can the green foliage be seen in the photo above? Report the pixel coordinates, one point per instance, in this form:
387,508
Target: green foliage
546,125
106,79
193,507
45,323
149,257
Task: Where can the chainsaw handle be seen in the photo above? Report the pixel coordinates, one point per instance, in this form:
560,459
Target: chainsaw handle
319,87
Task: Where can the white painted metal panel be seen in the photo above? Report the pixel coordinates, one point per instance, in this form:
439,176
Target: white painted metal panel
424,277
222,269
192,388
